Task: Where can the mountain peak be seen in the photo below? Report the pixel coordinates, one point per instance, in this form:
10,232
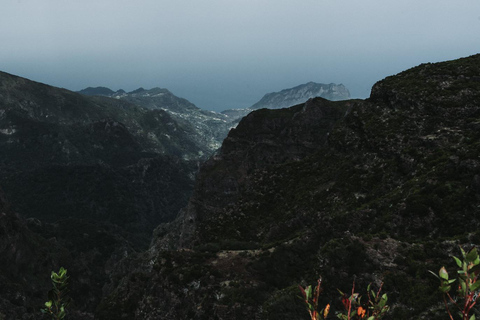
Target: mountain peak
96,91
137,90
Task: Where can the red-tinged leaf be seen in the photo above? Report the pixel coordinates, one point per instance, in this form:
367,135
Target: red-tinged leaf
303,292
443,274
346,302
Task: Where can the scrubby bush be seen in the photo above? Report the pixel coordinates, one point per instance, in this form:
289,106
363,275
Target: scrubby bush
58,299
375,309
468,288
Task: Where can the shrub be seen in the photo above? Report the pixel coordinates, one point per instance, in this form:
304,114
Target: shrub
468,288
58,299
374,309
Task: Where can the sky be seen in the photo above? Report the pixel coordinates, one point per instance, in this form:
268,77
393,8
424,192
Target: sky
224,54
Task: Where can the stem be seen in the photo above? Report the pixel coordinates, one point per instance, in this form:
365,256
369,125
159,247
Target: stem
351,297
446,306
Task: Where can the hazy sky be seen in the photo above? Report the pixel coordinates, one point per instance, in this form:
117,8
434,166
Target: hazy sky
222,54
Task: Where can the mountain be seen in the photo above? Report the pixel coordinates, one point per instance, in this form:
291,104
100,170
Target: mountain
88,178
293,96
66,155
376,190
206,128
299,94
98,91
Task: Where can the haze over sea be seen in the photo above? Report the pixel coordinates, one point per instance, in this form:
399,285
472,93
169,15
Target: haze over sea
227,54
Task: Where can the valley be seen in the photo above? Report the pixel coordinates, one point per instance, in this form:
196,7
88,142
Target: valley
161,210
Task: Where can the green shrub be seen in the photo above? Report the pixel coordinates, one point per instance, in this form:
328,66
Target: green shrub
58,299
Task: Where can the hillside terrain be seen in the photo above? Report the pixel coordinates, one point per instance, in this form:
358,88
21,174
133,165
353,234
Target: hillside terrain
376,190
93,176
206,128
379,190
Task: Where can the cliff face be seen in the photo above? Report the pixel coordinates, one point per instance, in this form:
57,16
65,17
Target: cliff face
381,190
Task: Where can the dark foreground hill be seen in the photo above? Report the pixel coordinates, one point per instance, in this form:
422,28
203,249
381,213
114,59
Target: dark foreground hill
66,155
87,179
376,190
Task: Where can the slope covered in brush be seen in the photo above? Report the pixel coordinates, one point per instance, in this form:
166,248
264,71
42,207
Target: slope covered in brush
377,190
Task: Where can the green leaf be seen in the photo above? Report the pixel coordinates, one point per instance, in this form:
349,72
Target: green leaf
48,304
458,261
445,289
431,273
443,274
472,255
475,269
475,286
472,317
308,292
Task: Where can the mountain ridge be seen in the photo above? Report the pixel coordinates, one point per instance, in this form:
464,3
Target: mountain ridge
380,196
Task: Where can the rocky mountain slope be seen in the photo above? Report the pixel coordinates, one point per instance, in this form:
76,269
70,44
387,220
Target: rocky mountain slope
68,155
206,128
94,176
293,96
299,94
376,190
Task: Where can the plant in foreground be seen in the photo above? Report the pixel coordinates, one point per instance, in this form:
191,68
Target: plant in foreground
375,308
58,299
311,300
467,288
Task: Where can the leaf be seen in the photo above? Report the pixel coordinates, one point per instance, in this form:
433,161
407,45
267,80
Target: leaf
472,317
303,292
308,293
458,261
445,289
443,274
433,274
48,304
475,286
472,255
475,269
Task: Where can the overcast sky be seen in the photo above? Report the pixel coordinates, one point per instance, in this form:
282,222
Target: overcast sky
222,54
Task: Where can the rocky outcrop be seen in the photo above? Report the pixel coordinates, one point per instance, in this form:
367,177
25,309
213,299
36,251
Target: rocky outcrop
378,190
